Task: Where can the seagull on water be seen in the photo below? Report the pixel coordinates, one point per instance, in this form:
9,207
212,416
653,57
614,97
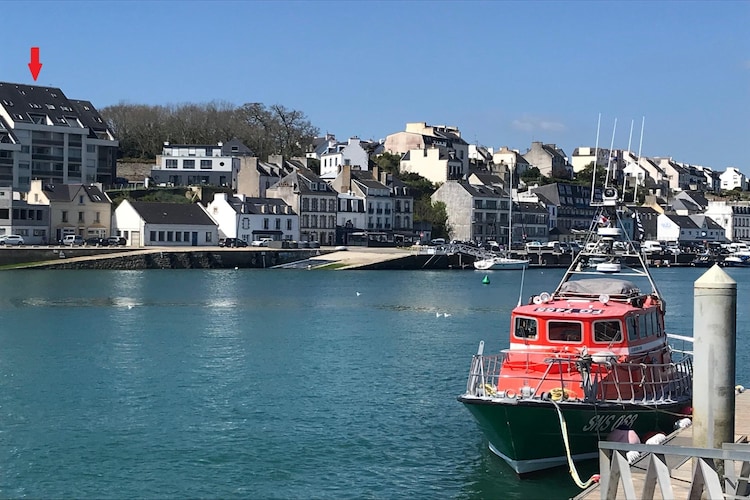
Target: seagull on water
358,294
437,315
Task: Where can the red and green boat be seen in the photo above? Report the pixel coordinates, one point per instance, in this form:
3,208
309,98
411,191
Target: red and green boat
591,357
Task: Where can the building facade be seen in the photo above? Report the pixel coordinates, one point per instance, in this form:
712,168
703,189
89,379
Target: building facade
46,136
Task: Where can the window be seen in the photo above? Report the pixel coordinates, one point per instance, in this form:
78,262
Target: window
80,216
525,328
161,235
206,164
97,219
170,236
289,224
208,236
607,331
90,148
80,200
189,164
170,163
178,236
563,331
265,223
152,236
278,223
65,216
245,223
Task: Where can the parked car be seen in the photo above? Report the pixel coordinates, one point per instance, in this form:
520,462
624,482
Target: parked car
72,240
116,241
95,241
232,243
11,240
263,242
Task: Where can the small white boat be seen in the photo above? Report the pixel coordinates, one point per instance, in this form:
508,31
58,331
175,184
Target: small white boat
499,263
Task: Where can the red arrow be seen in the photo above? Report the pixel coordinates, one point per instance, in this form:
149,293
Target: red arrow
35,66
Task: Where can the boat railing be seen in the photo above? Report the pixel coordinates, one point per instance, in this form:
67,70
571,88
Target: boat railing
681,344
593,381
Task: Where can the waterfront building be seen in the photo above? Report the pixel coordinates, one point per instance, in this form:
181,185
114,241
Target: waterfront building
164,224
583,156
251,219
550,160
505,161
476,212
689,229
436,152
18,217
313,200
732,178
360,190
733,216
568,205
197,165
351,153
46,136
76,209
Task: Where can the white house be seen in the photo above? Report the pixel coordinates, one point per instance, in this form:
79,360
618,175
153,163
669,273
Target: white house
349,153
164,224
688,229
200,164
250,219
732,178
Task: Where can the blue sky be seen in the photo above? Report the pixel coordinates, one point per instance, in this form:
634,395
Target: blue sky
505,73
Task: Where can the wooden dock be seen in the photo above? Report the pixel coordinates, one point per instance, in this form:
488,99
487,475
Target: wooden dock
675,462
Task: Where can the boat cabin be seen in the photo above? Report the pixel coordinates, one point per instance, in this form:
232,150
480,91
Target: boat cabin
598,314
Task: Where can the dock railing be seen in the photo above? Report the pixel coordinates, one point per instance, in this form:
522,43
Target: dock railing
657,464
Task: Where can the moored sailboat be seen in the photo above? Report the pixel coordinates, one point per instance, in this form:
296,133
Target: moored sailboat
503,261
591,357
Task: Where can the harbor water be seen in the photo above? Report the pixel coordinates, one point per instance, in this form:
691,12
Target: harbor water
266,383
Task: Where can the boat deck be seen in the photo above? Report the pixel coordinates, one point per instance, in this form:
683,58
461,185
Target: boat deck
681,472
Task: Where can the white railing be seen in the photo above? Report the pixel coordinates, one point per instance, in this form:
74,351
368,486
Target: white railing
608,380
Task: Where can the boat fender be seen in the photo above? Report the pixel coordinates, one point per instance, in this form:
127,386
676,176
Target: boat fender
683,423
510,394
739,389
657,438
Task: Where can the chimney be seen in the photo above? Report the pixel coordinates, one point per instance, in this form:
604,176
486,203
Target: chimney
375,172
346,177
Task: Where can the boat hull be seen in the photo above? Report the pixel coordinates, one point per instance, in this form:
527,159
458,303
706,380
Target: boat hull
527,434
501,264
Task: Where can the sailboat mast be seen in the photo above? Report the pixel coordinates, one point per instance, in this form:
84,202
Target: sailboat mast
510,210
596,159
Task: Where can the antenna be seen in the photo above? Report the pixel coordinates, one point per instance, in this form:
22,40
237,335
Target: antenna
520,292
643,124
630,139
609,161
596,158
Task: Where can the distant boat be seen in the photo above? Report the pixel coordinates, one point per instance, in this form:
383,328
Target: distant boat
498,263
503,262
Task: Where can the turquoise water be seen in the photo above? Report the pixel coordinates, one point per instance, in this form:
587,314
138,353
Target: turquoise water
262,384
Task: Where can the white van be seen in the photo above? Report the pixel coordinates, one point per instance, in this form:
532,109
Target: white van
651,246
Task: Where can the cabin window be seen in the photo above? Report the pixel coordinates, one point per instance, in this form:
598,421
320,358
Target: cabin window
607,331
632,328
655,323
643,326
564,331
525,328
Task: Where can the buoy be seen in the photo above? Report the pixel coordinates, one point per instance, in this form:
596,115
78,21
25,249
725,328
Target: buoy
486,280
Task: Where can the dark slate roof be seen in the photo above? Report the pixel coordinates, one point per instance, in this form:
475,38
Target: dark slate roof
235,147
683,221
685,204
6,133
365,178
172,213
300,180
489,179
67,192
29,103
253,205
480,191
